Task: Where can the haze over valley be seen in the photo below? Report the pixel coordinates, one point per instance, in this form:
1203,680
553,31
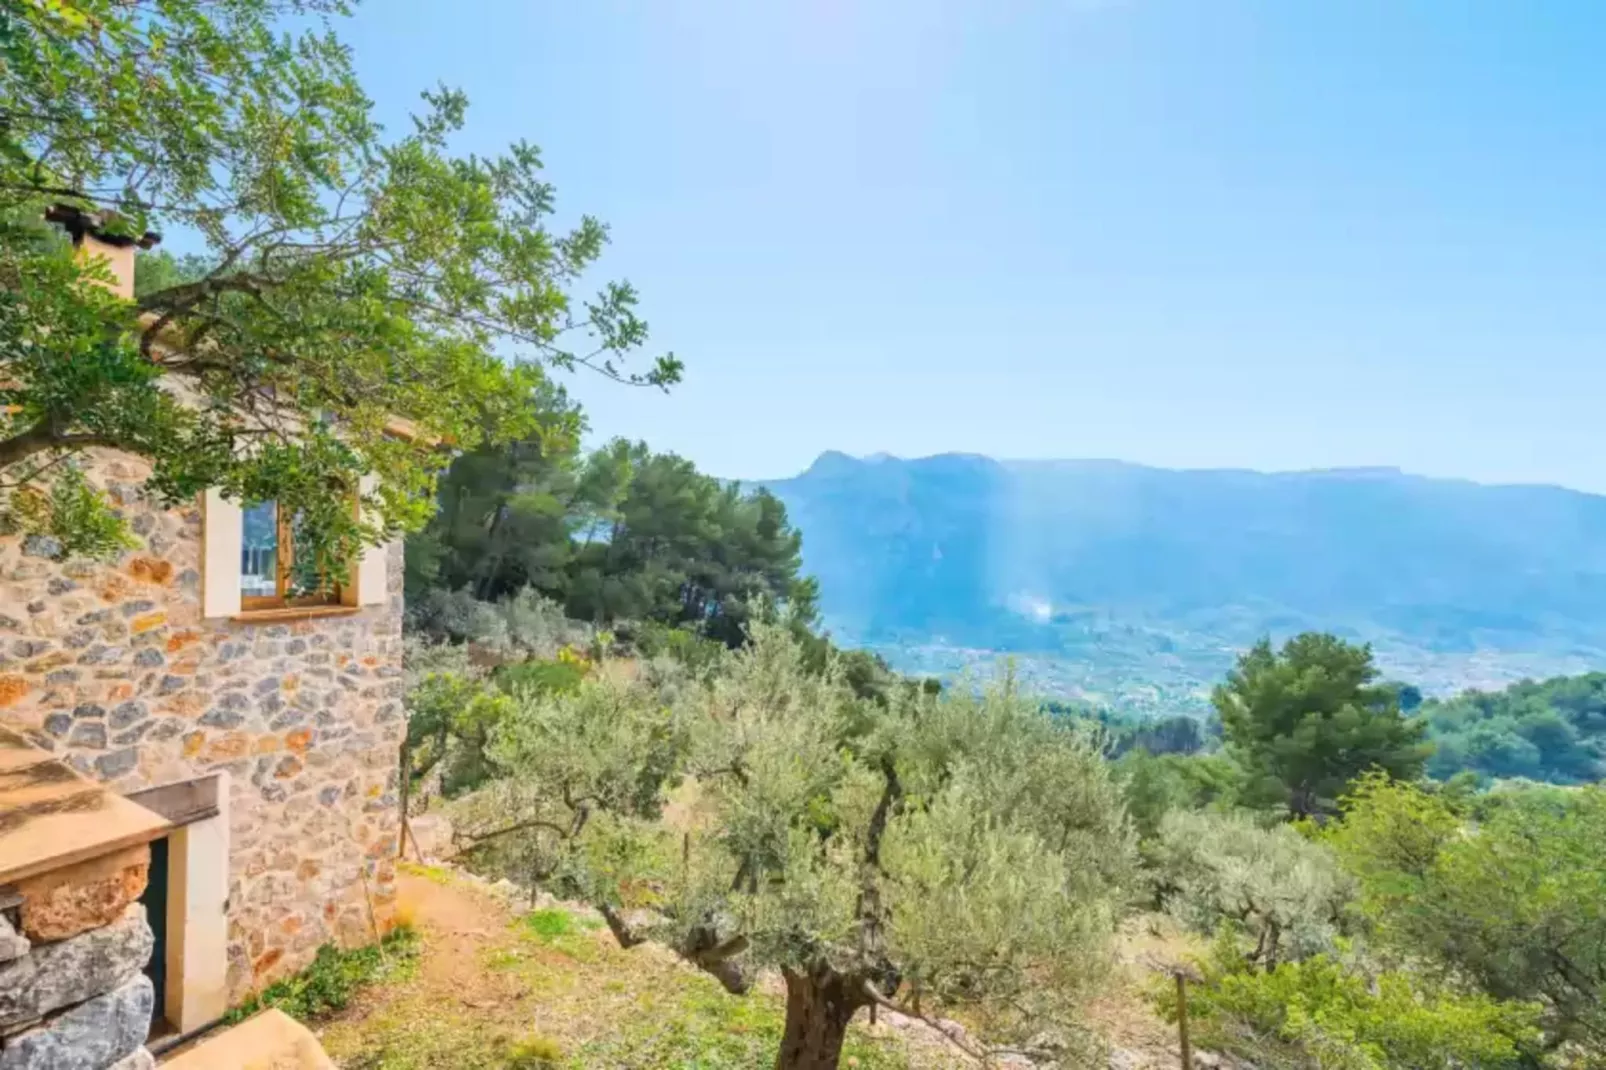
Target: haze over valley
1136,587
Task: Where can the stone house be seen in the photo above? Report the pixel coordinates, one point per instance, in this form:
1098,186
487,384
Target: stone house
262,725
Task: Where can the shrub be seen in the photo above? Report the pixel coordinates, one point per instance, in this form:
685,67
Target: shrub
1283,896
335,976
534,1053
1511,897
540,677
449,722
1154,785
523,624
1319,1013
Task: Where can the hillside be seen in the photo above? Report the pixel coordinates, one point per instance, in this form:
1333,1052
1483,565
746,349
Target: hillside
1135,585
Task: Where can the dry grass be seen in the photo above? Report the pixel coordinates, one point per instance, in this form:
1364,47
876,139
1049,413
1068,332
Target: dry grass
1122,1013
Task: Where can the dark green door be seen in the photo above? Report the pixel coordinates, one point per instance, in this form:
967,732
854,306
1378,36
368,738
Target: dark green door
155,901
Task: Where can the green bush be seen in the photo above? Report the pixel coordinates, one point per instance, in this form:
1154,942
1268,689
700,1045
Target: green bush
334,977
1320,1013
1552,730
549,924
534,1053
449,721
1154,785
652,640
540,677
1507,891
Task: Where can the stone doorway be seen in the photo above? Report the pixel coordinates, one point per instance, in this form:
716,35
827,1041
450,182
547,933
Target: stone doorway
187,904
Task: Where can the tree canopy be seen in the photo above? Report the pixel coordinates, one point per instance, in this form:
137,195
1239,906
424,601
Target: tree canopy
904,854
1512,898
620,534
1551,730
347,281
1285,896
1306,720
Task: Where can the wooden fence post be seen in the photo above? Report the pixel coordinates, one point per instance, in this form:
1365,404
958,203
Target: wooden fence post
1182,1021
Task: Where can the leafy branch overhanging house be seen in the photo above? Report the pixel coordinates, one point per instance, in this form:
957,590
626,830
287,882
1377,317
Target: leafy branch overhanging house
257,726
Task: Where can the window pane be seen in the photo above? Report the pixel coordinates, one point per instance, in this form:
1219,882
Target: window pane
306,575
259,556
310,574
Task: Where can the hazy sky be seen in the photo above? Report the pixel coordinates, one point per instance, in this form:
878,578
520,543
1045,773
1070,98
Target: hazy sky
1182,232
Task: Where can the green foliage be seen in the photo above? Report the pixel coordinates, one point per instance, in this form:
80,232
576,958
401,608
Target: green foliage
534,1053
522,626
450,718
865,673
1281,897
624,534
1124,732
507,512
697,654
73,513
1553,730
1513,900
578,761
1320,1014
1310,718
348,279
1178,734
335,976
550,923
955,849
538,676
1155,785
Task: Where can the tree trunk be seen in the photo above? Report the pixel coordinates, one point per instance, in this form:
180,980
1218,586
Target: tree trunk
819,1006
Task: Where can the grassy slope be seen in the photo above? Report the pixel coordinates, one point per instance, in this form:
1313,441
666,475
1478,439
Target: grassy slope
500,989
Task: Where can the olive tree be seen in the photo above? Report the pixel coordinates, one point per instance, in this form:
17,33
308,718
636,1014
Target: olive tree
1283,896
942,852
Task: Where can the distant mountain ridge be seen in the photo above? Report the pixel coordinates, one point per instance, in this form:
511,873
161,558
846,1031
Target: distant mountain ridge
1136,585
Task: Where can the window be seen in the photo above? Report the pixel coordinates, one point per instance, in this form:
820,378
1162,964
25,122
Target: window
274,572
251,565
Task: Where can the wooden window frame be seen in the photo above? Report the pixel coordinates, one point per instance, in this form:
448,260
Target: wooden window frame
284,563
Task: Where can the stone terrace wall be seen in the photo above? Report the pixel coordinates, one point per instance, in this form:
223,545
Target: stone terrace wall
79,1003
111,666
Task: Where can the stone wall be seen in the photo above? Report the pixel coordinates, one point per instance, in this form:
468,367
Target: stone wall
112,666
72,992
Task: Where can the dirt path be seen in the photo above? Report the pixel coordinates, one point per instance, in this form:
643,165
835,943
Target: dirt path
500,987
398,1025
459,924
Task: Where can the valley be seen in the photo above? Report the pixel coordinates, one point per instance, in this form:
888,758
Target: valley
1136,587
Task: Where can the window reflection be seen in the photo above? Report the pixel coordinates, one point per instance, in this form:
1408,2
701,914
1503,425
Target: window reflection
259,553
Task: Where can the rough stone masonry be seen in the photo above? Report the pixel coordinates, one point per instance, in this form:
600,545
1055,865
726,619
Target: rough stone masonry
80,1002
112,666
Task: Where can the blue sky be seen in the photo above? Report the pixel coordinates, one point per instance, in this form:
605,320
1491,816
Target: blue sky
1190,233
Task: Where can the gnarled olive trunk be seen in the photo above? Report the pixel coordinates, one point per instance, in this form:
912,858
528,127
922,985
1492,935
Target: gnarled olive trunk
819,1006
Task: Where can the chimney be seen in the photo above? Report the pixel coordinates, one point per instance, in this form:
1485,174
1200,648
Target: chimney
95,237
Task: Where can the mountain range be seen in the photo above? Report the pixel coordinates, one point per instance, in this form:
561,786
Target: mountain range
1136,587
